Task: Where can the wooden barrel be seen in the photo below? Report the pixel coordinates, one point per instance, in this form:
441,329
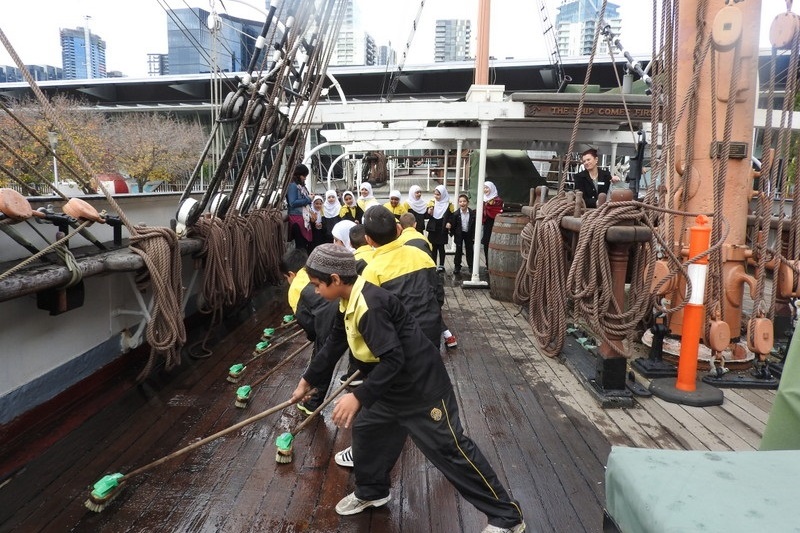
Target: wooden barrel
504,255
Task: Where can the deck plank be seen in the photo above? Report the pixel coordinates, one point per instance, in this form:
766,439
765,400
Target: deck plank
544,434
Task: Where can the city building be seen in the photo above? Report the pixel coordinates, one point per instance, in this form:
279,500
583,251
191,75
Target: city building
76,55
575,25
157,64
386,56
45,72
453,40
193,50
353,46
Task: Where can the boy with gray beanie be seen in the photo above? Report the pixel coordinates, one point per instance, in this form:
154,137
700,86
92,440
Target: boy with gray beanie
407,392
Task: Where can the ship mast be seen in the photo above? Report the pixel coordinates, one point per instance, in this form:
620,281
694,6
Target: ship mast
711,171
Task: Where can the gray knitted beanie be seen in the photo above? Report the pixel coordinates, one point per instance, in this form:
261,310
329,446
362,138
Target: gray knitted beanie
332,259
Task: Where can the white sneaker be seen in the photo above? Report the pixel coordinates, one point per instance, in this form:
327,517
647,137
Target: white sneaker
519,528
352,505
344,457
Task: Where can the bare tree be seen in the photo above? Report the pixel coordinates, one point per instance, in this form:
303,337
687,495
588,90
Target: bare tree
154,146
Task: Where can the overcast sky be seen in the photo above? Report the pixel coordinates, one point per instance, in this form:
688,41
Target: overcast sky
134,29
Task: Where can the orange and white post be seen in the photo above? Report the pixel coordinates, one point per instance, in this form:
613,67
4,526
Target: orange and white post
694,312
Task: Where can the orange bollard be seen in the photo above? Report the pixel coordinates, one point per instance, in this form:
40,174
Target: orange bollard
686,389
694,312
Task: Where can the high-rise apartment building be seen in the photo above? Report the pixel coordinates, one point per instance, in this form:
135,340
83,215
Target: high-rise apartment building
453,40
353,45
576,22
193,50
78,62
386,56
157,64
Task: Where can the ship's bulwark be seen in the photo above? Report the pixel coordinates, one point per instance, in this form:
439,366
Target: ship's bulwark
540,429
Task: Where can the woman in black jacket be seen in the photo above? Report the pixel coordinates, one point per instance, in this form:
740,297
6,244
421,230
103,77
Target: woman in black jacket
592,180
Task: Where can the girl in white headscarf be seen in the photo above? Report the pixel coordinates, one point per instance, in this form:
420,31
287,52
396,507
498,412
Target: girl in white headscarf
395,205
440,210
492,206
341,233
417,205
317,231
330,213
350,210
366,198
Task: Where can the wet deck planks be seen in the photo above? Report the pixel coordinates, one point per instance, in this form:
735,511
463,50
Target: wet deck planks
544,434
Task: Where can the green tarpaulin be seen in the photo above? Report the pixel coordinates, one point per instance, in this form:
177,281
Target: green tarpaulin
783,425
513,173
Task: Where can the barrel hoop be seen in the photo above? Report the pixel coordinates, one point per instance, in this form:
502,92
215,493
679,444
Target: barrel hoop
504,247
502,274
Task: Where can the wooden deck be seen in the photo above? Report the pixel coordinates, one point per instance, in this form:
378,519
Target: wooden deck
544,433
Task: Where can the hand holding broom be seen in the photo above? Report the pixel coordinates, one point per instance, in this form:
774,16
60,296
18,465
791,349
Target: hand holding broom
284,441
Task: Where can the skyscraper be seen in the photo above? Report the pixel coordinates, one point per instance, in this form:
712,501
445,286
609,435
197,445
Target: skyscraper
74,54
453,40
192,49
353,45
575,25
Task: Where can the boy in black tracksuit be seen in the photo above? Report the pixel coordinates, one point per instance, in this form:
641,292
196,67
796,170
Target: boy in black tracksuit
313,313
408,392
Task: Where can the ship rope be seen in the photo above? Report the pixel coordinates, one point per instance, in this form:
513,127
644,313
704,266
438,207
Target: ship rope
242,249
156,246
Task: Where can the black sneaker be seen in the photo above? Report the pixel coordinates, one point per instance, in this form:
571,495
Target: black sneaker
355,383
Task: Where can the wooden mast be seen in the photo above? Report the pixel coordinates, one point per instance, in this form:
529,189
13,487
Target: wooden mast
733,30
482,51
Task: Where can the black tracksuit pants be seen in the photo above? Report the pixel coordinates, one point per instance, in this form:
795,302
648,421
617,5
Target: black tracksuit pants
380,431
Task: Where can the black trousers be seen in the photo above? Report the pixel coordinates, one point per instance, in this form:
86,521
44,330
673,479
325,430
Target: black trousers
463,244
379,434
487,235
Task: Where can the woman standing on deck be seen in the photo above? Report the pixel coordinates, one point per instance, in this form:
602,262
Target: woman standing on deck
298,200
417,206
592,180
492,206
440,210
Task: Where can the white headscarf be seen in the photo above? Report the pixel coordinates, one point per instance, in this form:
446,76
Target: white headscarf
331,209
351,195
341,231
369,199
492,191
395,194
441,205
313,207
418,206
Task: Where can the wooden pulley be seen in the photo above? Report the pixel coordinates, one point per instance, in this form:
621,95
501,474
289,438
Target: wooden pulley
726,30
719,335
661,271
82,210
786,281
14,205
783,30
760,335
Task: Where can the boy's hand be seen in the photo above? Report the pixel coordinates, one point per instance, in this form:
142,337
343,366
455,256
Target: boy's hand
302,390
345,411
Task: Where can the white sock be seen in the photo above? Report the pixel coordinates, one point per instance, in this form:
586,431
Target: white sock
447,334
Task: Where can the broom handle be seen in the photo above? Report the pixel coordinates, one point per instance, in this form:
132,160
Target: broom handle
328,400
281,363
271,347
208,439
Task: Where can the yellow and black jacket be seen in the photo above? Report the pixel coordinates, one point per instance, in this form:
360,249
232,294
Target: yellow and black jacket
410,274
404,367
